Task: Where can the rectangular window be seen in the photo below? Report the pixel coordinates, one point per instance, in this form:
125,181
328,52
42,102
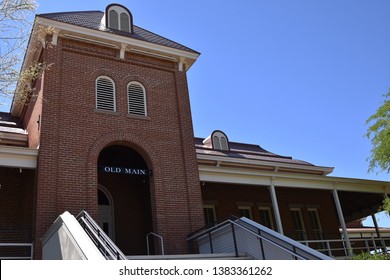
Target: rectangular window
315,223
266,217
210,216
299,225
245,211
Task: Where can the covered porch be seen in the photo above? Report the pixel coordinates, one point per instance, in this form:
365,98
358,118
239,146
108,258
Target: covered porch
314,209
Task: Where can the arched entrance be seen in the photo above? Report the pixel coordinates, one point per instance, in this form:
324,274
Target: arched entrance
126,197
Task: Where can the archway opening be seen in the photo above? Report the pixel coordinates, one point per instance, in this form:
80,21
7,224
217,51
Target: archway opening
125,176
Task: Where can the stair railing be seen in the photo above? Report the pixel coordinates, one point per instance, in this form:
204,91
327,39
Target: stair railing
105,245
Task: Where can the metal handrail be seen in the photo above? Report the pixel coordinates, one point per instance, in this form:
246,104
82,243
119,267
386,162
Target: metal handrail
257,235
329,250
16,244
99,237
161,242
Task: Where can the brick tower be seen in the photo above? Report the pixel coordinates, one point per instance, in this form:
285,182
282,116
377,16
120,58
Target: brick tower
113,125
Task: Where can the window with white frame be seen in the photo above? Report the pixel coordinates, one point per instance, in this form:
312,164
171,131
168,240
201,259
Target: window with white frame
210,216
299,225
136,99
245,211
266,217
105,94
315,223
119,17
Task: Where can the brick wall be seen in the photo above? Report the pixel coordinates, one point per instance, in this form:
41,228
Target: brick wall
16,204
73,133
227,198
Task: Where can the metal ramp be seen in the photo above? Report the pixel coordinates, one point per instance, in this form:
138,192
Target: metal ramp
244,235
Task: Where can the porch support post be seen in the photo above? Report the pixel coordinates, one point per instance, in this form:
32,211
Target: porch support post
376,225
342,221
275,207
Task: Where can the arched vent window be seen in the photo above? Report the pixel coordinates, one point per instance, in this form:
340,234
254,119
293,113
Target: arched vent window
105,94
136,99
125,22
113,19
119,17
220,141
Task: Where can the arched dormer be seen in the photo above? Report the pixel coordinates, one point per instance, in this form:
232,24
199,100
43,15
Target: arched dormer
218,141
119,17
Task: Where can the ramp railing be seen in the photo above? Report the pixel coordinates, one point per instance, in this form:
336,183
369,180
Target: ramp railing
99,237
246,236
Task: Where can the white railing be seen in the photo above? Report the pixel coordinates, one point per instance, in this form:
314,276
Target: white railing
337,247
157,236
14,252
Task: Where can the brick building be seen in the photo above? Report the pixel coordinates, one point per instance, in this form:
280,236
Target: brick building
108,129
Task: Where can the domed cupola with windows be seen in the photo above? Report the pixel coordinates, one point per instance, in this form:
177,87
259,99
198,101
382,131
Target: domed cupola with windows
119,17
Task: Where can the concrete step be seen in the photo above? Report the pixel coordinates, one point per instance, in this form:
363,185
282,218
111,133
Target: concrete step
219,256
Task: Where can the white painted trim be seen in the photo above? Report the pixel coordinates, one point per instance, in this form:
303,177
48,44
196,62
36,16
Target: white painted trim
246,207
301,221
258,163
19,157
269,211
118,40
280,179
212,207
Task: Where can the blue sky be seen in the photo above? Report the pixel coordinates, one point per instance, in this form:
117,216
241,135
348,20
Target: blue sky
299,78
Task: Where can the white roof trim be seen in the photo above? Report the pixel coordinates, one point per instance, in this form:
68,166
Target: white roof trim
279,179
255,162
118,39
18,157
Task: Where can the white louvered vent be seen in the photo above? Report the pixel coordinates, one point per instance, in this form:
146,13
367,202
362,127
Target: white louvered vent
220,141
136,98
105,96
217,144
224,144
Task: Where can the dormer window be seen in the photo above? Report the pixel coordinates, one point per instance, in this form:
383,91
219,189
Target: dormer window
218,141
119,17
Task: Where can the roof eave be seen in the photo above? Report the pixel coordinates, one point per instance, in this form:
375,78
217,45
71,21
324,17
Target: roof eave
220,160
118,41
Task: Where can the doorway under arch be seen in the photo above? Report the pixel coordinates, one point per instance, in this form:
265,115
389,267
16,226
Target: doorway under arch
106,212
125,176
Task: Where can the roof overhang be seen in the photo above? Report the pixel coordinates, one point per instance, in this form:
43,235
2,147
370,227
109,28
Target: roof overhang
245,176
18,157
204,159
119,42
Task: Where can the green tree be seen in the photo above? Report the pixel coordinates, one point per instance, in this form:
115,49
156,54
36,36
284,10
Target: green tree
16,18
379,134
